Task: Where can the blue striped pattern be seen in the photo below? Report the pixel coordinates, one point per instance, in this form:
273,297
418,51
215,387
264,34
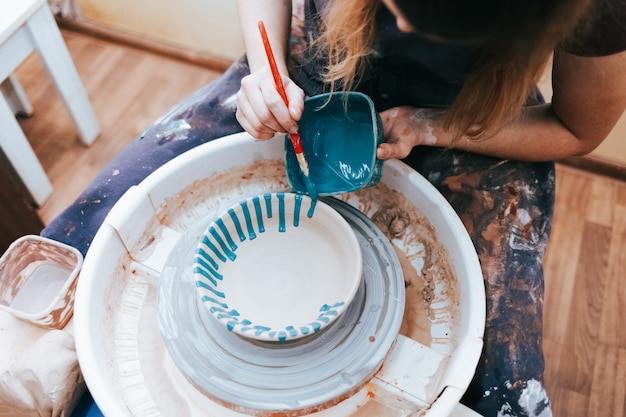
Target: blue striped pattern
240,223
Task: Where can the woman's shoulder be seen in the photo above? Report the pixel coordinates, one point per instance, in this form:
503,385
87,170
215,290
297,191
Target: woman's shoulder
601,32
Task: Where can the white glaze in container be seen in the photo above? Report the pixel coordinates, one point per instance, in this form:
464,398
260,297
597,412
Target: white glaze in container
38,280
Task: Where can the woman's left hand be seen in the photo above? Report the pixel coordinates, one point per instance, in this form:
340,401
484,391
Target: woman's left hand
405,128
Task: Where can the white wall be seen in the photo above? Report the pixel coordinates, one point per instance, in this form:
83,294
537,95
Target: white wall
203,27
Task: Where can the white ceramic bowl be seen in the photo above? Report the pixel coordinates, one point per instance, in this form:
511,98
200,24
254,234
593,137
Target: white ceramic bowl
277,267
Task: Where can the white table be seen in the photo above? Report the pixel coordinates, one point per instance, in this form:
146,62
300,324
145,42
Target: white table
28,26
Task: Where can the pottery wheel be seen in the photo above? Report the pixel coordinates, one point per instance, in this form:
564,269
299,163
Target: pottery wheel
307,374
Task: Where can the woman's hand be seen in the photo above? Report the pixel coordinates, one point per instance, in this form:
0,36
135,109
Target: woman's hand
260,109
404,128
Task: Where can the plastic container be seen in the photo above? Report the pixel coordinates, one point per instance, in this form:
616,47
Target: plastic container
38,280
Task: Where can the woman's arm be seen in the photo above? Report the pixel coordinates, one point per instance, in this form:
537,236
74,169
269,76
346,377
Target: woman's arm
589,98
260,109
276,15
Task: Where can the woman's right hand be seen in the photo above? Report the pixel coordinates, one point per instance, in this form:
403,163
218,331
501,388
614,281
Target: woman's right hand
260,109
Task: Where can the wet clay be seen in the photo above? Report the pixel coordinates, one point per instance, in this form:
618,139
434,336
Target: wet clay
222,188
425,262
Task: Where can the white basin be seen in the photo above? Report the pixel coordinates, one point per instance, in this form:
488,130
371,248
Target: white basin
124,361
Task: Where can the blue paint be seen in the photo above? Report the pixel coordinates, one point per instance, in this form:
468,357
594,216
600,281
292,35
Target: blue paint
259,330
311,208
203,256
210,288
281,212
311,188
222,226
211,246
248,219
235,220
296,209
327,307
209,273
207,299
339,139
259,214
268,205
227,250
227,314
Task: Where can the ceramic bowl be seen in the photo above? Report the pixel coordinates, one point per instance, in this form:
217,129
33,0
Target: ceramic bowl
339,133
38,280
277,267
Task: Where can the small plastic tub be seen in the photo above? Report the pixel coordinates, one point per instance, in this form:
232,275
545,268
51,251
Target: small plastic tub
38,280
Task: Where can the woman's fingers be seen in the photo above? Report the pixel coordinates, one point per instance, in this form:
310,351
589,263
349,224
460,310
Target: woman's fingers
404,128
261,110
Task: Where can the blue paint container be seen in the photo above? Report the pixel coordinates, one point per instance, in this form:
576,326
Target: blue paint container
340,133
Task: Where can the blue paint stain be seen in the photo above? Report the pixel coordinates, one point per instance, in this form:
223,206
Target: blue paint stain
311,211
248,219
211,246
259,214
207,299
204,285
327,307
209,273
310,187
259,330
281,212
235,220
227,250
224,229
296,209
268,205
226,314
203,256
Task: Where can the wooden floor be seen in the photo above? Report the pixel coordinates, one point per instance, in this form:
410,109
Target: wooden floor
585,304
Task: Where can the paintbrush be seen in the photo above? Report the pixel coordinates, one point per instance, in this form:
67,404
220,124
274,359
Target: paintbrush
295,137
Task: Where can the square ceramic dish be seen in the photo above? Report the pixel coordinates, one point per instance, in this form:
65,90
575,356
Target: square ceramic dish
38,280
339,133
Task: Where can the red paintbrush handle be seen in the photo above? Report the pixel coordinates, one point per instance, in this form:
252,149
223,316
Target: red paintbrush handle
295,138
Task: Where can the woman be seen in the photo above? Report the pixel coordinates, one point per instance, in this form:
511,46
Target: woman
456,75
453,81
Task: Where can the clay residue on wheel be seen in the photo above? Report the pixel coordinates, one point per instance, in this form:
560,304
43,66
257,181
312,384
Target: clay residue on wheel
221,189
431,286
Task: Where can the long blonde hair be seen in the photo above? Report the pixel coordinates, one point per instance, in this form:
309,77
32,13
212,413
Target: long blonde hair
501,79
